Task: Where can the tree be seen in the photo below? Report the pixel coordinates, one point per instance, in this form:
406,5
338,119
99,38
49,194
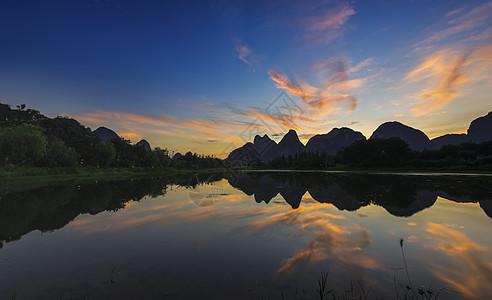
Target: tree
23,144
391,152
162,158
59,155
104,153
125,153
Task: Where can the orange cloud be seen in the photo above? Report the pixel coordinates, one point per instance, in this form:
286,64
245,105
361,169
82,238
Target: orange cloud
130,135
130,121
332,95
277,119
316,109
442,73
443,77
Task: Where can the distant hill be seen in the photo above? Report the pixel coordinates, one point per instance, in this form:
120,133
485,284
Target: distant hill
448,139
480,129
244,155
265,149
64,129
333,141
106,134
289,145
416,139
9,116
145,144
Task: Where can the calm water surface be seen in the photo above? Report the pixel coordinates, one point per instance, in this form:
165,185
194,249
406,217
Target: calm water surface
248,236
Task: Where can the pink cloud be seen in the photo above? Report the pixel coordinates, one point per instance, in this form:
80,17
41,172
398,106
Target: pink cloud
328,26
453,12
463,23
244,53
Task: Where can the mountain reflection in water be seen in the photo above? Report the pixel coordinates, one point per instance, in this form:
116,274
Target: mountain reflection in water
400,195
248,235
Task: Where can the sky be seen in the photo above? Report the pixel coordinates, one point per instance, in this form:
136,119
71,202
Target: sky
207,76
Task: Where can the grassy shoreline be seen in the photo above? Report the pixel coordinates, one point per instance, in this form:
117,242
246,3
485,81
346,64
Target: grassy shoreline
32,176
378,171
402,170
36,173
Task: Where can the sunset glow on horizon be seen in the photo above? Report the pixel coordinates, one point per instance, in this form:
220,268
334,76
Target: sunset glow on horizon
206,76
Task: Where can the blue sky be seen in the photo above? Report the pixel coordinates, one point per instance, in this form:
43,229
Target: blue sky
194,75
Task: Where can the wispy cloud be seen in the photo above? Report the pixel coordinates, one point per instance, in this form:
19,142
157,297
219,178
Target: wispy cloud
363,64
470,20
332,96
309,114
128,121
454,12
244,53
443,72
454,57
327,26
323,98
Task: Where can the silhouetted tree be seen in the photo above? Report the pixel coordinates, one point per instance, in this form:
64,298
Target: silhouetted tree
59,155
104,153
23,144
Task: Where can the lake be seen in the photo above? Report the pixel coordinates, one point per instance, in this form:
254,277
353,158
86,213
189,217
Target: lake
250,235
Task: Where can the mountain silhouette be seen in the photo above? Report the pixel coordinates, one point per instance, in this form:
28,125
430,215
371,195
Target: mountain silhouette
244,155
333,141
290,145
105,134
265,149
416,139
480,129
448,139
145,144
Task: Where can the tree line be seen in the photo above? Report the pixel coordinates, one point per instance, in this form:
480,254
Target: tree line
391,153
28,138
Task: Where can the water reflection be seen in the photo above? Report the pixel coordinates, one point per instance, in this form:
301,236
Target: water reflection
400,195
50,207
269,234
467,269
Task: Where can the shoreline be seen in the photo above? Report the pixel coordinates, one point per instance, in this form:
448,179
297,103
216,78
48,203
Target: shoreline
24,177
380,172
62,174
